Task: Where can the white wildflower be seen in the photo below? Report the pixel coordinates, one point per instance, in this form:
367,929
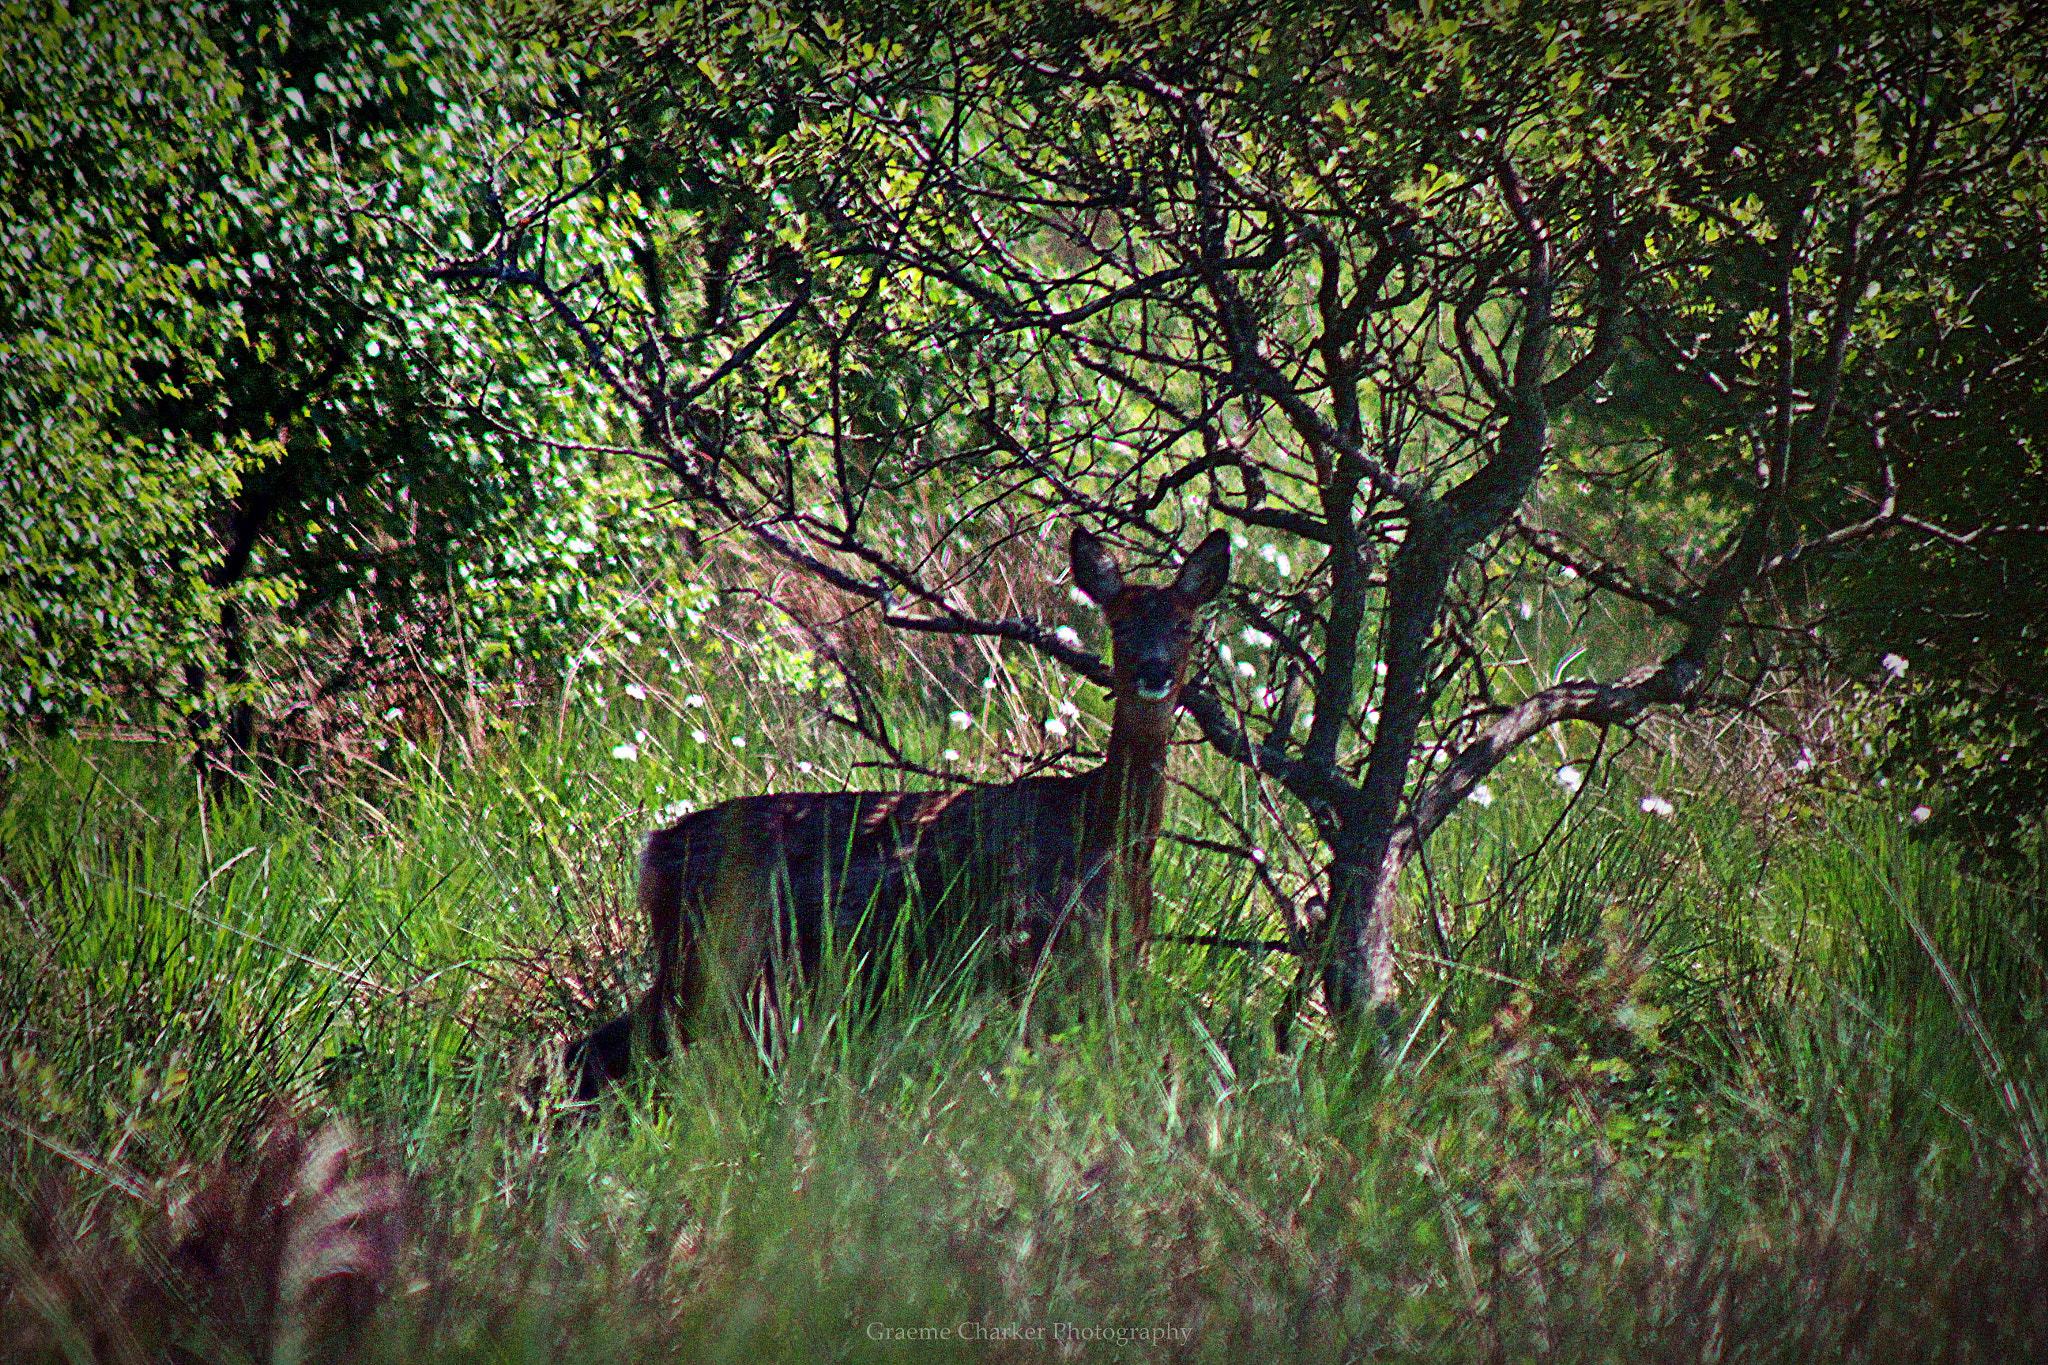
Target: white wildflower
950,755
803,765
694,699
1920,815
1069,710
1055,727
961,720
1245,668
636,691
1893,665
739,741
1654,804
699,736
629,752
1570,778
1068,636
1803,763
1527,609
1482,795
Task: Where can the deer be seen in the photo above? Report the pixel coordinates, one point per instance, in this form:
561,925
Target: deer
749,894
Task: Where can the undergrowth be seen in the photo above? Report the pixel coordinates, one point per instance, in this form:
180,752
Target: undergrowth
1707,1084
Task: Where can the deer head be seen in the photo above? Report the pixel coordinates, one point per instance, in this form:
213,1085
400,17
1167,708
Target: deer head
1151,629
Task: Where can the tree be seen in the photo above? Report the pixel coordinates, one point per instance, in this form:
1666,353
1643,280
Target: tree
1437,305
97,529
250,468
1954,600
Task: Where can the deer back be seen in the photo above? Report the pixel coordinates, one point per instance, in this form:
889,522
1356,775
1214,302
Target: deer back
885,877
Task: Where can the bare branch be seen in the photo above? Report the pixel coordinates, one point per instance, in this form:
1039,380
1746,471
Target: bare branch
1315,786
1599,572
1613,262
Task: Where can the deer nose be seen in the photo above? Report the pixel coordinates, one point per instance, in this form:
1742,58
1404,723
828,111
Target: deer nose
1153,681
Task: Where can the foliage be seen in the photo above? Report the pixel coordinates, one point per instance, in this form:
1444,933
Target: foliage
1923,512
252,465
1968,642
97,529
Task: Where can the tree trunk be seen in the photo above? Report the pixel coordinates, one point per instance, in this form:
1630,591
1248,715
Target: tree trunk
220,745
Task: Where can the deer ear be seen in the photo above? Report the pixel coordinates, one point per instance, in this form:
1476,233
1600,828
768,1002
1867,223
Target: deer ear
1094,572
1204,573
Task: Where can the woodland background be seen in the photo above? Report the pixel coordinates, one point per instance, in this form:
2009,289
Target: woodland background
443,442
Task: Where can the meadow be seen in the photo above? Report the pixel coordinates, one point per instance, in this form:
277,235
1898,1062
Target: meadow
1747,1072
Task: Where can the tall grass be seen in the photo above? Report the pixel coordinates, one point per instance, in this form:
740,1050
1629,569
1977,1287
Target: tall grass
1710,1086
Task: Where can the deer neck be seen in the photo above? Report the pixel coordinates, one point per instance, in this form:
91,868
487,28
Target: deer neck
1129,790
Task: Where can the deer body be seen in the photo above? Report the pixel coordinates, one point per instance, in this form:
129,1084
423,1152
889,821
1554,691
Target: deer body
761,885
